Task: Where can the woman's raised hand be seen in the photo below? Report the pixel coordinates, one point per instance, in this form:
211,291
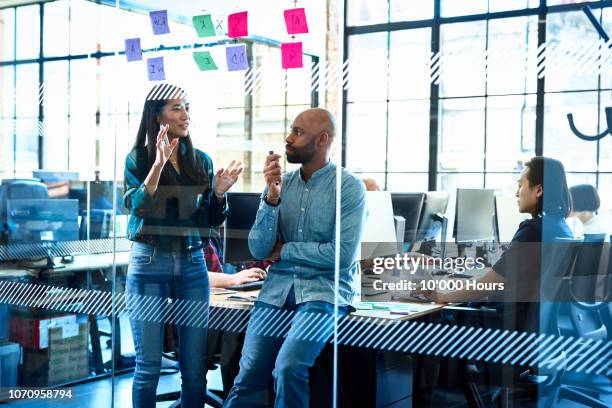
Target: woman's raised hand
164,148
225,178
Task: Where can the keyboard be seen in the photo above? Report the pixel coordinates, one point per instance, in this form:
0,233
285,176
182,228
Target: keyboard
247,286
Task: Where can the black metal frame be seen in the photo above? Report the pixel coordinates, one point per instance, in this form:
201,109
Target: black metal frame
435,23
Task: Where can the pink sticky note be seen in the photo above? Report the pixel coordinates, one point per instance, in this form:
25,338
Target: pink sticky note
238,24
295,19
292,55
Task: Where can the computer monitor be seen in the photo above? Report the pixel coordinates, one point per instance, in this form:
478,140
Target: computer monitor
241,217
432,216
42,220
474,215
507,218
379,238
409,206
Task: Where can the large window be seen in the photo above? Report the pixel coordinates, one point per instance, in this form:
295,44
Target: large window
462,98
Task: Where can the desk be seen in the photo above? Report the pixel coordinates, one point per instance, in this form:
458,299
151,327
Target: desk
368,376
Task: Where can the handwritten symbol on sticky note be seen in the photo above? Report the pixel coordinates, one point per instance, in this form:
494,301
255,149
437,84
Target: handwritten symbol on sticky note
159,22
295,20
133,51
204,60
238,25
236,58
292,55
155,69
204,26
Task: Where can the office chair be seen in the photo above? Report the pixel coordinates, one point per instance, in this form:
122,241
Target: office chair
533,382
582,318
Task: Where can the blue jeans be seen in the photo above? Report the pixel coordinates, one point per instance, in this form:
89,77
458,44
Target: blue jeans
164,286
268,355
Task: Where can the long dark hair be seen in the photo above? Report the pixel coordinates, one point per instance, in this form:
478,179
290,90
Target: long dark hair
191,168
550,174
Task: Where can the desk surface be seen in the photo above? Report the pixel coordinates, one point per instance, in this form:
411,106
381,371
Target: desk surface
417,309
80,263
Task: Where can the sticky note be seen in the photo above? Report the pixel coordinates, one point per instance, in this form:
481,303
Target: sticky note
159,22
204,60
236,58
292,55
238,24
133,51
295,20
204,25
155,69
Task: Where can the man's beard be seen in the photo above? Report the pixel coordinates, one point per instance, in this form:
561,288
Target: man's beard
303,155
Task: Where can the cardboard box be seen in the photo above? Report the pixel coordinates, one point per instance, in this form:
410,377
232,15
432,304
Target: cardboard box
33,332
65,359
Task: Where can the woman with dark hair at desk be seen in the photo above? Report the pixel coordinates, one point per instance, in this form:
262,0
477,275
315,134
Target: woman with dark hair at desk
542,192
173,200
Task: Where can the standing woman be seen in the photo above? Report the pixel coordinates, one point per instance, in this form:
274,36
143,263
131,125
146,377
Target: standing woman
173,200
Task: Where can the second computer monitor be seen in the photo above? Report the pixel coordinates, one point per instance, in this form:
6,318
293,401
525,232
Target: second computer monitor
508,217
474,214
432,216
408,205
241,217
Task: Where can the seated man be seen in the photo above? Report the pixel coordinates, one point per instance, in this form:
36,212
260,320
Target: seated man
295,228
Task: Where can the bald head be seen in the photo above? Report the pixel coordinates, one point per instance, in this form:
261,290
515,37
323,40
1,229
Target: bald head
319,120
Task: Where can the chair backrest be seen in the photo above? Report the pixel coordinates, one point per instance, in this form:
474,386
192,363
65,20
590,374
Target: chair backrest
558,258
100,224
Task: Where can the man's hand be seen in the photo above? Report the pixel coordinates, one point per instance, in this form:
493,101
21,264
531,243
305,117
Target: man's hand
273,177
276,251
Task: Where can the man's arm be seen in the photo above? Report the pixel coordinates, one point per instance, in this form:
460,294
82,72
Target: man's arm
262,236
321,255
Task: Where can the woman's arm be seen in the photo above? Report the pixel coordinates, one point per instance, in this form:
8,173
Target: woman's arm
223,280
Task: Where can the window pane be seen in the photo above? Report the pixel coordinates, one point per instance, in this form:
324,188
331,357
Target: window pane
409,76
56,29
366,130
6,147
572,52
365,12
27,90
504,5
451,182
55,100
272,91
606,73
450,8
28,32
605,144
7,32
402,10
26,146
461,143
510,131
504,184
408,136
512,55
83,27
407,182
368,67
463,59
559,141
7,89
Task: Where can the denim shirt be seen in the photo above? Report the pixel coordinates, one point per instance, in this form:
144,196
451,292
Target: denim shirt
195,211
304,221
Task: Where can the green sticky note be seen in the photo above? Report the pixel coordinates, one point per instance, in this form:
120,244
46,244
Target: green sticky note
204,60
363,306
204,25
